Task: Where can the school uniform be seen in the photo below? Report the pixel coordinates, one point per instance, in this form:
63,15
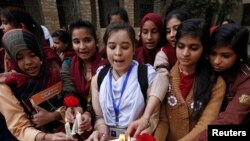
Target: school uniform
236,108
132,103
175,122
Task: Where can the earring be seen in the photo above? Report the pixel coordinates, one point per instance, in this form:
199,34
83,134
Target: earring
41,62
241,60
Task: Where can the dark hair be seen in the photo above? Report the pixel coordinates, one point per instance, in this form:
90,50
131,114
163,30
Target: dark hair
179,14
114,27
118,11
64,37
234,36
16,16
83,24
205,78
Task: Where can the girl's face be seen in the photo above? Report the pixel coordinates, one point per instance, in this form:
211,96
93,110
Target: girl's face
223,58
120,51
59,45
150,35
188,51
171,27
6,26
28,62
83,43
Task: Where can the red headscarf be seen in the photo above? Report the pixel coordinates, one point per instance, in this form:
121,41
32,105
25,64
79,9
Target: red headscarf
23,85
144,55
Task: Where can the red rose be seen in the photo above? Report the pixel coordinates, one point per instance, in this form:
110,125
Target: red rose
145,137
71,101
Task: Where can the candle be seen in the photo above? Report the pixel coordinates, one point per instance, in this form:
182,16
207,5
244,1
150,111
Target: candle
67,128
79,121
122,137
74,128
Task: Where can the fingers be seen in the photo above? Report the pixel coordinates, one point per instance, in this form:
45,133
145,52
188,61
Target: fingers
94,136
69,115
131,129
78,109
137,132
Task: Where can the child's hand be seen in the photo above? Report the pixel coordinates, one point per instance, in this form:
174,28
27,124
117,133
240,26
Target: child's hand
86,122
97,136
136,127
58,137
42,117
70,113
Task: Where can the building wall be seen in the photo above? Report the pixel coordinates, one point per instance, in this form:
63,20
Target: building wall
50,14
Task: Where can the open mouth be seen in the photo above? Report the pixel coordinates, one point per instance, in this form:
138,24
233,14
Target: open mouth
118,61
31,70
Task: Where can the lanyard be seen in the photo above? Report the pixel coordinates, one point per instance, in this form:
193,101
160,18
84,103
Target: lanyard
116,107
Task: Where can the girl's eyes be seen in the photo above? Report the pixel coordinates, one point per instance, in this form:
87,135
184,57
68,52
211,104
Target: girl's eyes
87,40
180,45
194,47
76,41
226,56
31,55
113,46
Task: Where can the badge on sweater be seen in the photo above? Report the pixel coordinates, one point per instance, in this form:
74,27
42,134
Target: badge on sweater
172,101
244,99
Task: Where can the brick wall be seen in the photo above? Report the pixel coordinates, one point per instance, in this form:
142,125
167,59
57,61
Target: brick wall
85,7
129,6
50,14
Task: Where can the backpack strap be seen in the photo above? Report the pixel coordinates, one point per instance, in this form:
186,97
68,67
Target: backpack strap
143,79
101,75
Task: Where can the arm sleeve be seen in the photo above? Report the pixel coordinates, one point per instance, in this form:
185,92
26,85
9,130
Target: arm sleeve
16,119
158,86
68,86
211,111
238,109
161,131
161,60
97,107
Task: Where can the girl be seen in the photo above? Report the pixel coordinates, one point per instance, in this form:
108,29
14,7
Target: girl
151,38
166,57
28,79
12,18
63,44
119,99
195,93
228,57
77,73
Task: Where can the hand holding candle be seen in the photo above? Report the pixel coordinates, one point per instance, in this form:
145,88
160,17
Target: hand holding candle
67,129
79,121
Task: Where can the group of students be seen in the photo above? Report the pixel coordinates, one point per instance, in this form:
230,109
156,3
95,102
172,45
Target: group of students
172,83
